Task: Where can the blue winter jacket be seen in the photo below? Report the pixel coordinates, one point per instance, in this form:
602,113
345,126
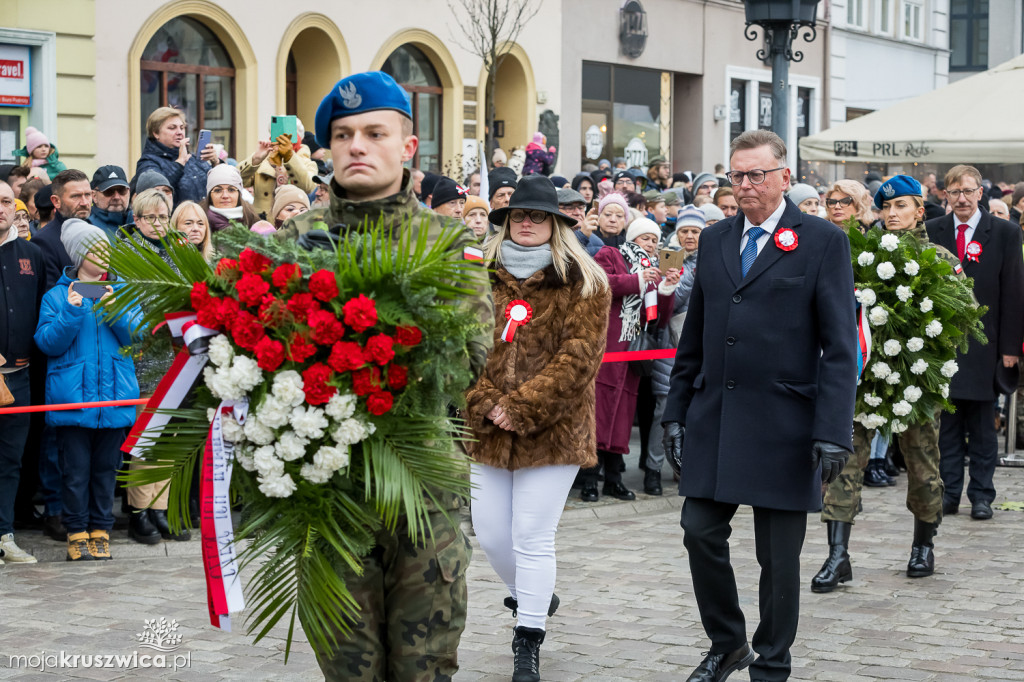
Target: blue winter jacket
84,359
188,181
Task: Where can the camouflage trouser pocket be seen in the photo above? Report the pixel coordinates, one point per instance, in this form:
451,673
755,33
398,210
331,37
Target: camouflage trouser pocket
450,594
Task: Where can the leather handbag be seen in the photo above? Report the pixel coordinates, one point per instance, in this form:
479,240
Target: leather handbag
644,340
6,397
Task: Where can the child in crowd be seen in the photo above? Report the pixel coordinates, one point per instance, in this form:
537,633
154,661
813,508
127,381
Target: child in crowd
39,153
85,364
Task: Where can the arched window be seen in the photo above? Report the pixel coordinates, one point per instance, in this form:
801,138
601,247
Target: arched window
186,66
410,67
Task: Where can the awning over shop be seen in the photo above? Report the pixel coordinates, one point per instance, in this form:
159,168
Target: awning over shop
975,120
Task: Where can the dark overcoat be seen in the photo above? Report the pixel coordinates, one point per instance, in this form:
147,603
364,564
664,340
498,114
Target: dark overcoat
766,364
999,284
544,377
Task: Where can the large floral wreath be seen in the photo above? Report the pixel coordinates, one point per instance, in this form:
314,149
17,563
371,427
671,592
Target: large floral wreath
919,313
346,361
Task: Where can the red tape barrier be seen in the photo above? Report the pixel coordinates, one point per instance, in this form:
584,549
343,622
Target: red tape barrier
622,356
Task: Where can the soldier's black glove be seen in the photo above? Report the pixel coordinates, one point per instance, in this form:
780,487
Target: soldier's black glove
831,457
672,441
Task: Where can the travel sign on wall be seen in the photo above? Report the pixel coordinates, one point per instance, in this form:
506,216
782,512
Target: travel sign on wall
15,76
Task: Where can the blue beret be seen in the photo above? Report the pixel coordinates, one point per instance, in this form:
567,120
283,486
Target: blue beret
357,94
897,186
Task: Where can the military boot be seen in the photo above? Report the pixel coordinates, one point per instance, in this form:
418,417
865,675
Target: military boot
526,654
922,556
836,568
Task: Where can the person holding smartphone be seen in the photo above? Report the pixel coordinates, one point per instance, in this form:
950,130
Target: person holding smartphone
281,160
85,364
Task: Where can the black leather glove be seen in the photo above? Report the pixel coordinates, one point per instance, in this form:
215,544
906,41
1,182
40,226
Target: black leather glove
831,457
672,441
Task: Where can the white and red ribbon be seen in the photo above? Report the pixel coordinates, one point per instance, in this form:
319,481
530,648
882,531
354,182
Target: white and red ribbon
651,303
863,339
517,313
973,251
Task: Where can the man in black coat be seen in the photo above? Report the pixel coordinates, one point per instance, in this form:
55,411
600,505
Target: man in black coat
72,198
764,385
990,250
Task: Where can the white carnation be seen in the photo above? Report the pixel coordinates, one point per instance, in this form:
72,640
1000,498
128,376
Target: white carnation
288,388
865,258
903,293
243,455
315,474
915,344
933,329
886,270
231,430
273,412
246,373
257,431
880,370
912,394
331,458
210,411
893,379
898,426
371,428
878,316
220,384
926,305
267,463
872,400
290,446
944,390
902,408
919,367
221,351
889,242
277,486
949,368
871,421
350,432
341,406
867,297
912,268
892,347
309,422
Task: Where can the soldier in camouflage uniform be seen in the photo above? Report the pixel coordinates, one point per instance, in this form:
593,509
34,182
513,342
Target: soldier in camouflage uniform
412,596
902,209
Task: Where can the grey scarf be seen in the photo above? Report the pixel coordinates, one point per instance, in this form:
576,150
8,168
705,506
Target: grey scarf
523,261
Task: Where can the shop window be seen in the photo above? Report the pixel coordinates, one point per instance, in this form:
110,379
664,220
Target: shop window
413,70
737,108
913,20
968,35
185,66
764,106
622,113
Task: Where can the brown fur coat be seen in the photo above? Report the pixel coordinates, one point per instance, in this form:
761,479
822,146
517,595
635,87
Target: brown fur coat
544,378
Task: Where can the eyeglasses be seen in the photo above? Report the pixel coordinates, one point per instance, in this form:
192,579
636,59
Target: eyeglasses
115,190
518,215
955,193
845,201
157,219
755,176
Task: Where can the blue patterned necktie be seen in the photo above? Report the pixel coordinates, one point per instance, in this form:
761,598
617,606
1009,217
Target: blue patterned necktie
750,250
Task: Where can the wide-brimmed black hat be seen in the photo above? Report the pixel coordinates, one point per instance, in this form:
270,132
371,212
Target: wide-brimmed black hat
534,193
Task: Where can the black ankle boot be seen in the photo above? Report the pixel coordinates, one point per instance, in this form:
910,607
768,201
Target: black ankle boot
513,605
140,528
875,476
889,467
836,568
159,519
922,556
652,482
526,654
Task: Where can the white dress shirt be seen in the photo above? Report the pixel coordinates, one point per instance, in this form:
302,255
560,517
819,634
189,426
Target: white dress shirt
972,225
768,226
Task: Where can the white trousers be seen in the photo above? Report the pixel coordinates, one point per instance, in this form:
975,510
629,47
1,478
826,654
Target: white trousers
515,516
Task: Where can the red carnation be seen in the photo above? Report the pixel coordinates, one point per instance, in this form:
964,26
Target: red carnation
379,402
365,380
200,296
227,310
346,356
285,274
299,349
398,377
269,354
323,285
251,288
252,262
324,327
315,386
209,315
272,312
379,348
225,266
247,330
408,336
360,313
301,305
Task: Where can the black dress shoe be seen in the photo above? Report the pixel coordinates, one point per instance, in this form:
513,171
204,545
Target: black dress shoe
950,508
53,527
981,510
875,476
922,553
718,667
140,528
589,492
652,482
618,491
159,519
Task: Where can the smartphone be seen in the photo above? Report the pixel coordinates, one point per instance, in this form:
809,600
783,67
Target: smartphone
284,125
205,136
671,259
86,290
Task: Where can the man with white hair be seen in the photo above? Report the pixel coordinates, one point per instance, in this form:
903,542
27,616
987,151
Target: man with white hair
999,209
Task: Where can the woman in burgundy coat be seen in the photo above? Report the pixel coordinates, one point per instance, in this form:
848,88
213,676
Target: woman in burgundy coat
632,272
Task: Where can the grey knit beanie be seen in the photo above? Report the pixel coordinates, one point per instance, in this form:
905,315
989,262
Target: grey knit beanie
150,179
801,192
79,238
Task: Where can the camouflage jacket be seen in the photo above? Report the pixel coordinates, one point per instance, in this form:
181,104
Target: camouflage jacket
920,233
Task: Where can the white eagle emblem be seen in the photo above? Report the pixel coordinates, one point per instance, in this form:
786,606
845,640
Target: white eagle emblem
888,191
349,97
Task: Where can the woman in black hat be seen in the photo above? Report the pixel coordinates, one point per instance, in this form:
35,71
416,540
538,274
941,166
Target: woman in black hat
532,411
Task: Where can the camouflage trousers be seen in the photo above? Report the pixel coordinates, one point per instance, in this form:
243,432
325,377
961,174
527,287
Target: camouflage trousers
413,609
920,448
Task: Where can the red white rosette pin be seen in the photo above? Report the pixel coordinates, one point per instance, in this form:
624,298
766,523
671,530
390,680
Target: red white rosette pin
517,313
786,239
973,251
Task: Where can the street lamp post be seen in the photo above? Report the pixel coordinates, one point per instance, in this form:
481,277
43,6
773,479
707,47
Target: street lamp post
782,22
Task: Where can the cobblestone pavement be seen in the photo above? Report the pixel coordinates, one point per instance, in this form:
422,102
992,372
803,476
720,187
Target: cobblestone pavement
627,604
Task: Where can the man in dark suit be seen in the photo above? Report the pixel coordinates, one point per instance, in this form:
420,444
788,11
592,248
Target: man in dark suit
764,386
989,249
